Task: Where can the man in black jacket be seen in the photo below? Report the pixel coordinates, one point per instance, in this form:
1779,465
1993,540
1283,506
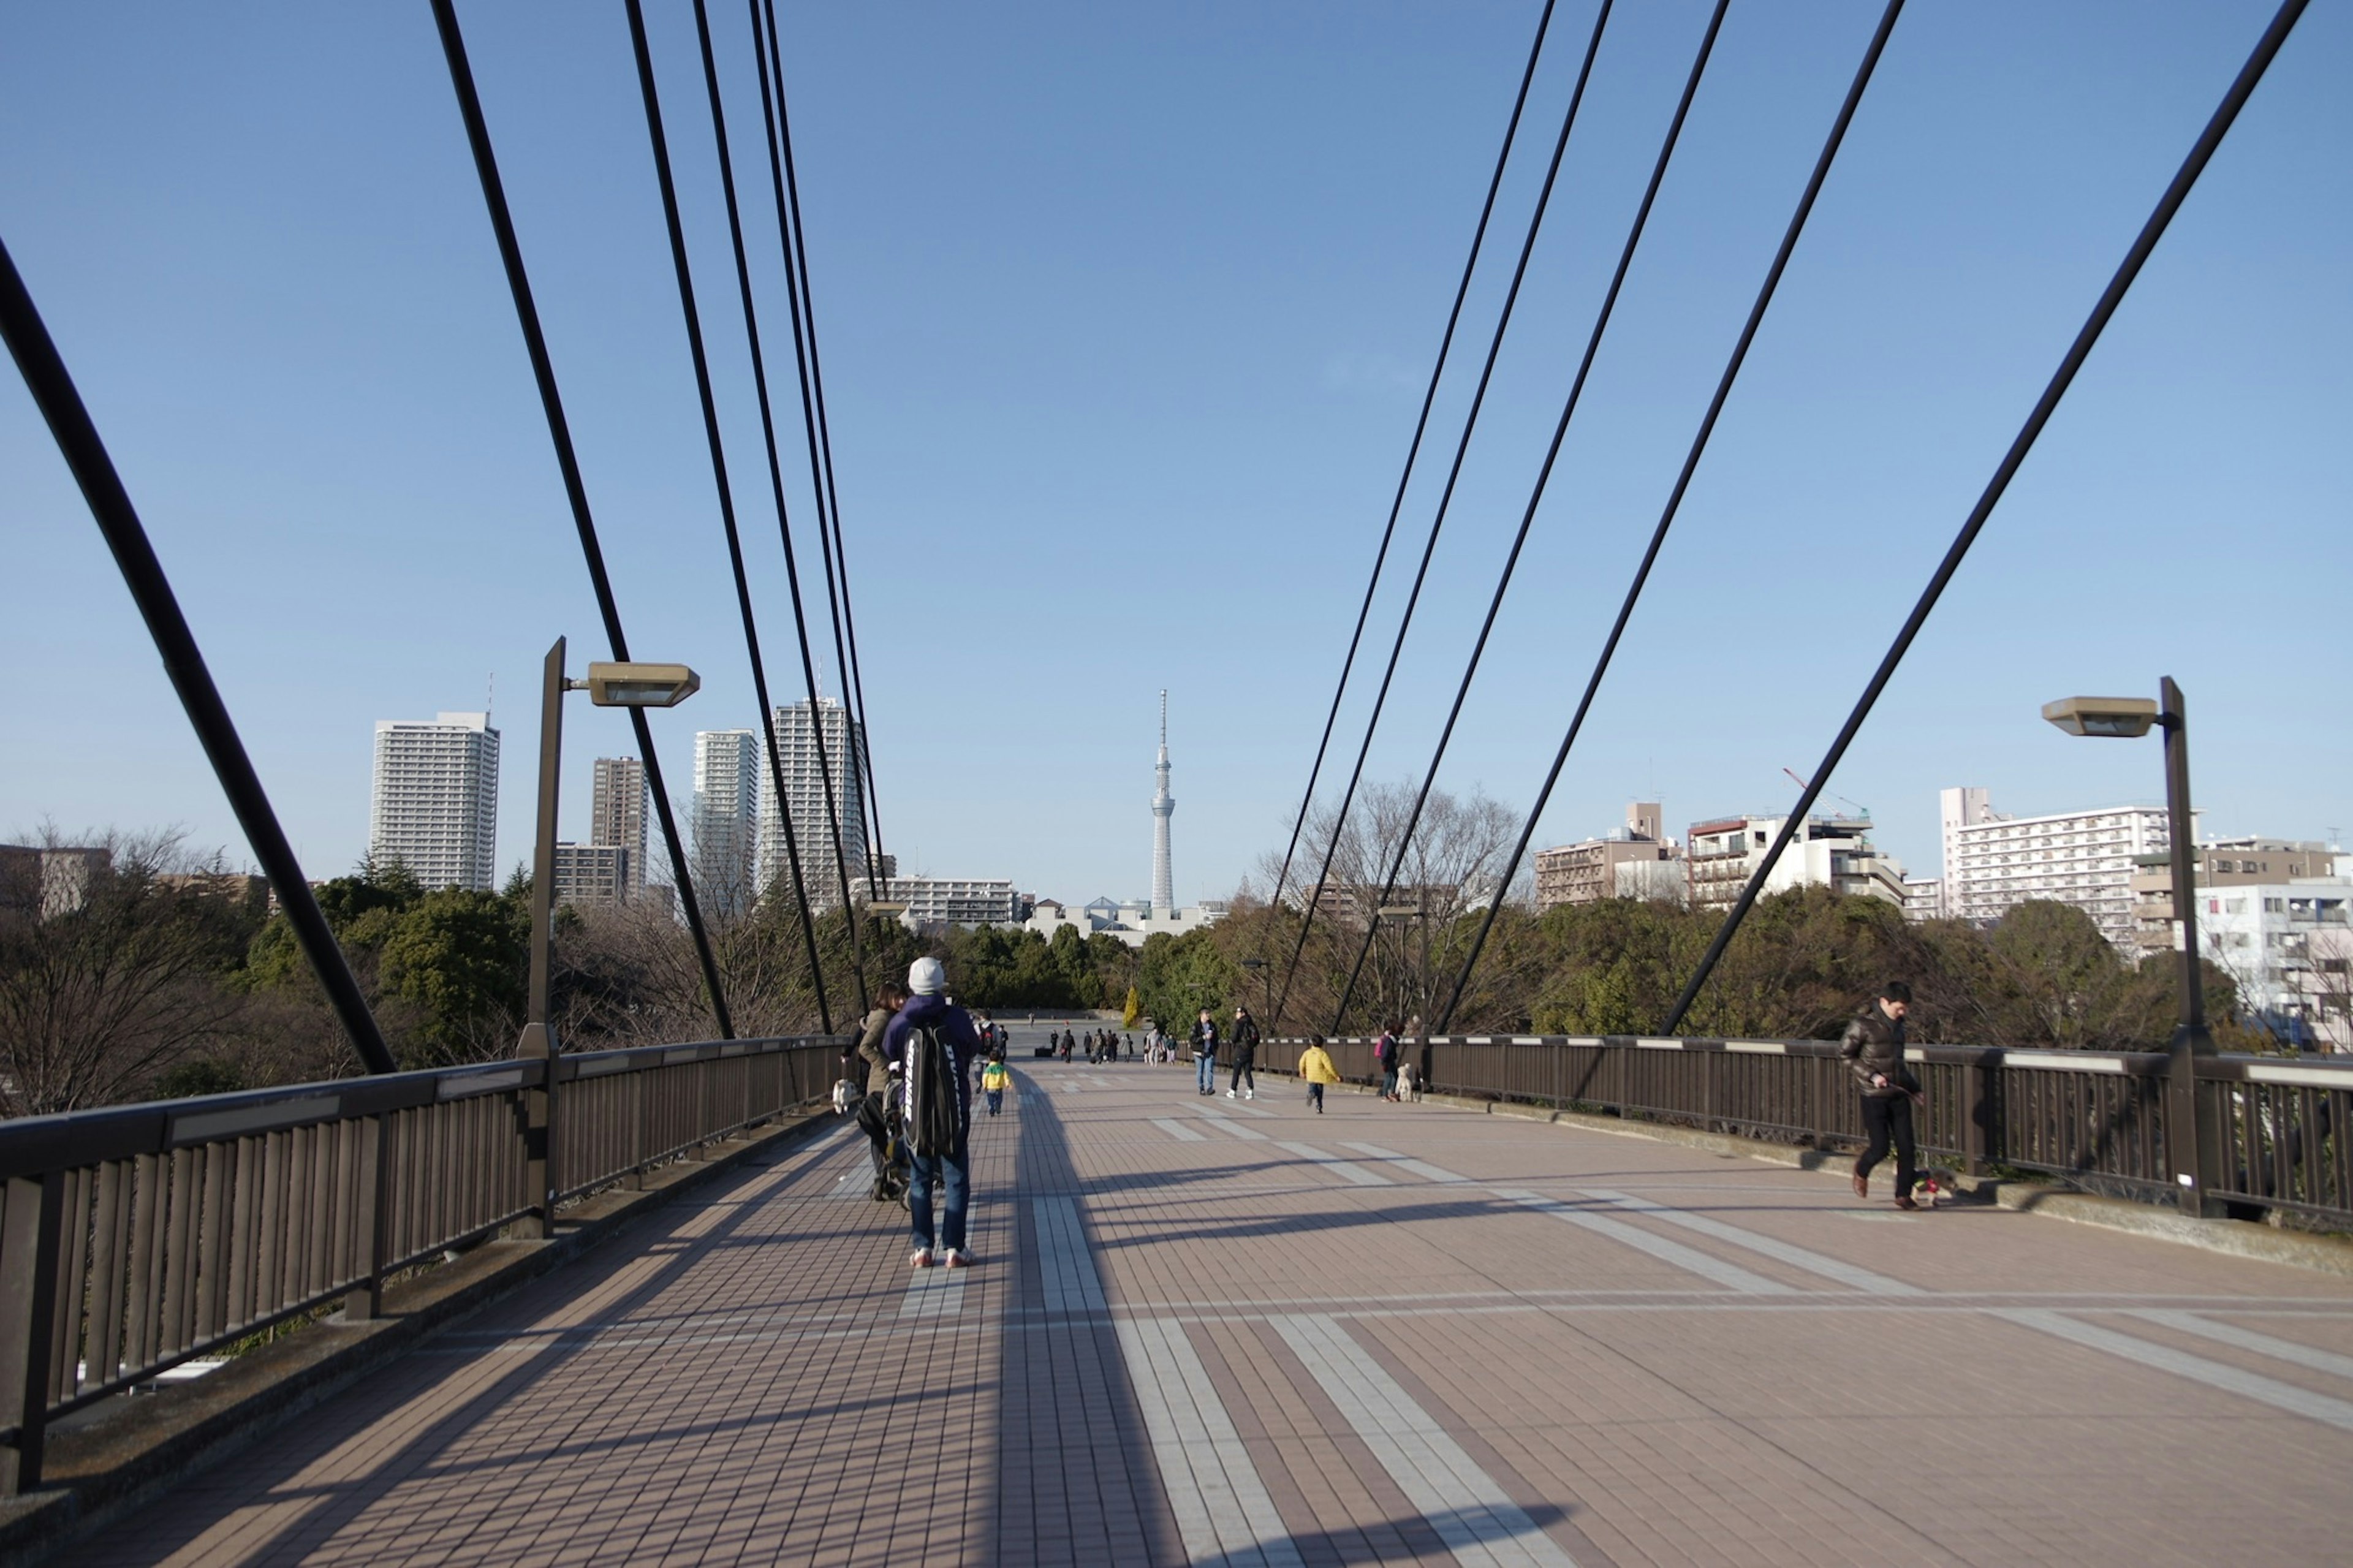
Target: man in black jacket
1245,1055
1874,1049
1204,1054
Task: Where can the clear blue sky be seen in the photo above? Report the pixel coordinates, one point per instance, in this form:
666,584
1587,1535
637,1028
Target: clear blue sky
1126,311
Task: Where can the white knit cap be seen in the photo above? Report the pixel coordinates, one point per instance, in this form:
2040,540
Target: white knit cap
927,977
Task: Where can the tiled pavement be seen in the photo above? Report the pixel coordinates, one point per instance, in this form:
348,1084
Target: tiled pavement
1211,1331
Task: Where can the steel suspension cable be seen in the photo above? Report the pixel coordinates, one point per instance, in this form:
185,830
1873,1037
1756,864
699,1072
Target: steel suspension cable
647,92
1796,225
53,390
1535,495
2242,88
1412,451
1454,473
559,430
832,551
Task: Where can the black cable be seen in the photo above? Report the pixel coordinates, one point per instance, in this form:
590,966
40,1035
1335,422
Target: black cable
53,389
2242,88
1544,478
647,92
1430,547
832,551
1683,482
559,430
1412,451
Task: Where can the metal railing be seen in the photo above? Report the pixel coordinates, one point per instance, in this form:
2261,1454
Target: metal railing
136,1238
2275,1133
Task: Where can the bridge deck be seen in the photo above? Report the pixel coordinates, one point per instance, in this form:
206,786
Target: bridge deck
1207,1330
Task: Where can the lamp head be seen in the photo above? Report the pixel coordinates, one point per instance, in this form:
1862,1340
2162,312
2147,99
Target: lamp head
2122,718
642,685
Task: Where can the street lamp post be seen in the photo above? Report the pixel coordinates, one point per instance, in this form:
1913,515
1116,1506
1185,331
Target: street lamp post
608,684
2194,1149
1265,972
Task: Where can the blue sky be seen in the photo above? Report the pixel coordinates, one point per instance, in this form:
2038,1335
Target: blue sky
1126,313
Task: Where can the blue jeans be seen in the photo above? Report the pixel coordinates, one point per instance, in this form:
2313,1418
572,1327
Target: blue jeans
1205,1073
953,1170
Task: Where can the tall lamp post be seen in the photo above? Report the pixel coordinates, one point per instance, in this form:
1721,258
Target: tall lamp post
607,685
1265,972
2195,1151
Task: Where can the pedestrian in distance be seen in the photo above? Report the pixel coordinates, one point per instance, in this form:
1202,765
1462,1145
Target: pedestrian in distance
994,1077
1244,1056
930,1046
1316,1066
1204,1054
1387,1053
1873,1048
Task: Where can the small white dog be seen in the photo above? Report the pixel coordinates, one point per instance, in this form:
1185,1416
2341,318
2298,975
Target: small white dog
1408,1082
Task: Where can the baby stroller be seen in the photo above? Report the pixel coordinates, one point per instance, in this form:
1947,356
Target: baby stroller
879,1117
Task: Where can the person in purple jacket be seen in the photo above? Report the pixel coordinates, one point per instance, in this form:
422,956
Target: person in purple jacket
929,1008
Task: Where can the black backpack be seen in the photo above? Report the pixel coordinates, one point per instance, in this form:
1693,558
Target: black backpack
931,1120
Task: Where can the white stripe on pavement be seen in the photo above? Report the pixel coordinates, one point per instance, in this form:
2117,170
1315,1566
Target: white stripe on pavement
1469,1511
2288,1351
1427,1171
2321,1407
1829,1267
1730,1275
1063,1263
1176,1129
1224,1515
1347,1169
1218,1120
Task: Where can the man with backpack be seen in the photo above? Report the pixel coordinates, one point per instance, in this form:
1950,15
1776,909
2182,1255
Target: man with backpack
930,1046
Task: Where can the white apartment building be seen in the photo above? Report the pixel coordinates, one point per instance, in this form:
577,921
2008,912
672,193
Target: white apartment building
433,805
727,764
1720,855
798,732
956,900
1993,863
616,814
2288,948
1924,898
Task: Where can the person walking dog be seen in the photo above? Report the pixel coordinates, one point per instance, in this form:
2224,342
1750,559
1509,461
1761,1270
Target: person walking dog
1873,1048
930,1046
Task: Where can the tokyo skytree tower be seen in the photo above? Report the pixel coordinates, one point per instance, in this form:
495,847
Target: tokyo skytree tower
1164,806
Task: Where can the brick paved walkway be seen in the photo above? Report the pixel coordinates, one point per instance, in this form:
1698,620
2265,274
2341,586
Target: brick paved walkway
1211,1331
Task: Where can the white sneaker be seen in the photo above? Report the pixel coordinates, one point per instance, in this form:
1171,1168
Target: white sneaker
921,1260
1250,1094
1230,1094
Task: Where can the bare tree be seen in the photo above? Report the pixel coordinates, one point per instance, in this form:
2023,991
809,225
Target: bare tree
113,972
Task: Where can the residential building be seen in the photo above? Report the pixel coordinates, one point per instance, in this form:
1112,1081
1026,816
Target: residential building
434,806
727,764
1994,863
1924,898
54,880
2218,863
1133,922
956,900
1835,852
616,814
590,876
1616,866
815,748
2285,945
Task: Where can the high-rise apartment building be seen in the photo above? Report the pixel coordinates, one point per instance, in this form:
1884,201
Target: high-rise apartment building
1633,862
802,732
1993,863
593,875
616,814
434,806
956,900
727,767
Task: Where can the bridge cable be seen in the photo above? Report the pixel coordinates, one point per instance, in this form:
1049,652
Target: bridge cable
1536,494
1413,450
1683,482
2240,89
834,555
559,430
1430,547
53,389
661,143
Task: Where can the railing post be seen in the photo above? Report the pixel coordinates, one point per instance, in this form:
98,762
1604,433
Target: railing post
538,1148
366,1303
31,1216
1976,1116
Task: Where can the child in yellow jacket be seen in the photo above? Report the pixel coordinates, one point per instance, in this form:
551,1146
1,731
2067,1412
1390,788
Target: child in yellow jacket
1316,1066
994,1077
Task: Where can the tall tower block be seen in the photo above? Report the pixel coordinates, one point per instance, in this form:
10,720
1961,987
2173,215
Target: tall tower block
1164,806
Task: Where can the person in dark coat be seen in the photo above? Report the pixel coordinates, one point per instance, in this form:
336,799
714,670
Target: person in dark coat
1245,1055
1873,1048
873,1108
951,1171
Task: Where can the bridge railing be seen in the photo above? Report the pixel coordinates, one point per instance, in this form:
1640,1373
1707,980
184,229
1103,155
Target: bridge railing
136,1238
2098,1119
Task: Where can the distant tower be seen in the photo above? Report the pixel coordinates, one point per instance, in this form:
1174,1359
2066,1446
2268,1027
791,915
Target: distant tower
1164,806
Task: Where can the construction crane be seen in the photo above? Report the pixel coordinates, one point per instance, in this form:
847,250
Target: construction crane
1860,809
